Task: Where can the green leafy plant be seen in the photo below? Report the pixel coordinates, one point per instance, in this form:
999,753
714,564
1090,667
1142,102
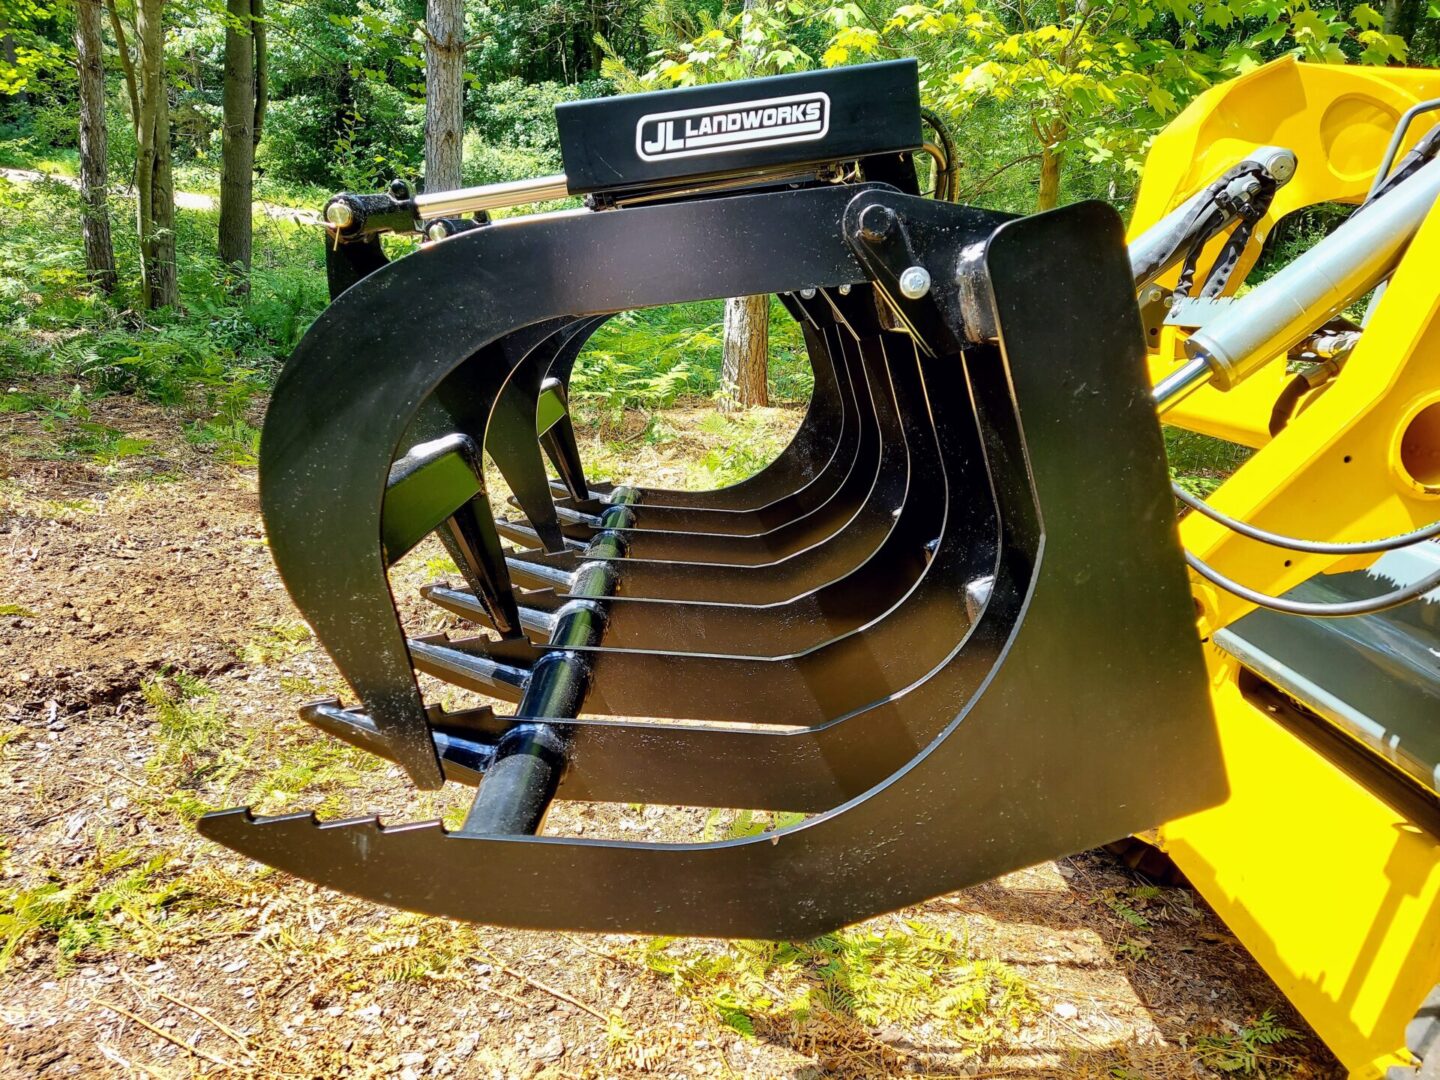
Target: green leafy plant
117,895
279,641
1249,1050
189,720
907,975
232,442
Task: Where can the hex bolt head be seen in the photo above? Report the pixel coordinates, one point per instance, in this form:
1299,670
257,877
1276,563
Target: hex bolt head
876,222
914,282
339,214
844,290
807,294
437,231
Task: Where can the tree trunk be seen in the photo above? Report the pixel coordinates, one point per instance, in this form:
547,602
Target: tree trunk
237,155
262,65
747,350
444,92
1402,18
154,185
1051,161
127,63
747,344
7,49
95,213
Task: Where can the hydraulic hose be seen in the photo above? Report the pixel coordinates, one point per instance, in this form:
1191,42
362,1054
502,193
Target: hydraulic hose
1311,547
1348,609
945,179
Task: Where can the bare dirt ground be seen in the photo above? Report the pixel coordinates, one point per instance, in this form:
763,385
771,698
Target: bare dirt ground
150,668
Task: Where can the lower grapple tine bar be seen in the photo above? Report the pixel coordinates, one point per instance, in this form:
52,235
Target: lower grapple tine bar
520,533
521,781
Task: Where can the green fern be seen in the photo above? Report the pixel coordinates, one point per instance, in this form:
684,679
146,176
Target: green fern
908,975
117,895
1247,1052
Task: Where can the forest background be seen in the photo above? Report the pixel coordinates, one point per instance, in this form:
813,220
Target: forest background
117,105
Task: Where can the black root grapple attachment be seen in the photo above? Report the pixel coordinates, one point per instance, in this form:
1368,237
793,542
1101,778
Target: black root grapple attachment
949,623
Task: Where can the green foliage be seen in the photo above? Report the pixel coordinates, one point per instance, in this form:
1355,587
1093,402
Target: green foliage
104,444
1248,1051
905,975
651,359
747,823
189,723
116,896
277,642
747,447
213,356
232,442
315,766
33,48
1084,83
1201,463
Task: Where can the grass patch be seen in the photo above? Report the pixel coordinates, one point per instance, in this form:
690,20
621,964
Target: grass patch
314,765
117,897
306,687
17,611
190,726
232,442
746,445
838,987
101,443
279,641
1201,463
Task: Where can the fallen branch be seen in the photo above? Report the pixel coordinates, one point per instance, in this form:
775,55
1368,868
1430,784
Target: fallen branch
226,1029
165,1035
538,985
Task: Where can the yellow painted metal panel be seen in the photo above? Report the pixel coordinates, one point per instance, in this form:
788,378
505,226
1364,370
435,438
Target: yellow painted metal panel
1331,889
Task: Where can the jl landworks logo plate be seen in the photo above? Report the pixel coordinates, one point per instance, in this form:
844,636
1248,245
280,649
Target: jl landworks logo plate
723,129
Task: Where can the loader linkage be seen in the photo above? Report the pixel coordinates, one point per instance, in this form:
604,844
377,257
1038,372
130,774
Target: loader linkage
948,623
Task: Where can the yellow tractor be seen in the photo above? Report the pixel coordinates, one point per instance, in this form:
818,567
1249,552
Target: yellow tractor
957,626
1324,859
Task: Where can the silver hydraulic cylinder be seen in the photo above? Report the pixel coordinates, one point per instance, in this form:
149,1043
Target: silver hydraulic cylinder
1281,312
491,197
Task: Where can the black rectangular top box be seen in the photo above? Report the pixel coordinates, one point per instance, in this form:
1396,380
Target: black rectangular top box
726,129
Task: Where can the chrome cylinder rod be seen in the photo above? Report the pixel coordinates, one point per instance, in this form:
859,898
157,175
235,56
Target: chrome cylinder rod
1180,384
441,204
1340,269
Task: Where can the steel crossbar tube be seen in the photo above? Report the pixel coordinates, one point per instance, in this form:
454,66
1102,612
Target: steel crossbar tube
469,200
521,782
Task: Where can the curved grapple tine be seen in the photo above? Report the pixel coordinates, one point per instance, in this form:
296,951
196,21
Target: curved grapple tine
359,376
842,606
1078,675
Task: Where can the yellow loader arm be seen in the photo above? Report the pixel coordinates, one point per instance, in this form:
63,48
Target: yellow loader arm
1324,859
